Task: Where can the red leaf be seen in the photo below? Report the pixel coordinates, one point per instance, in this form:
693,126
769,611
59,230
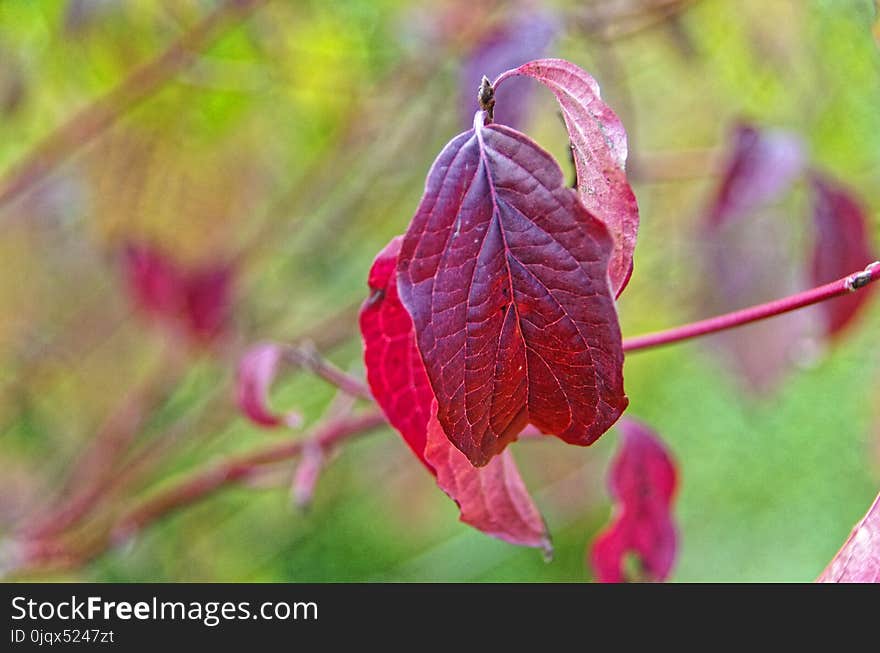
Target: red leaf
492,499
504,274
761,166
842,246
598,141
207,294
394,368
153,280
256,371
526,36
642,483
858,560
196,300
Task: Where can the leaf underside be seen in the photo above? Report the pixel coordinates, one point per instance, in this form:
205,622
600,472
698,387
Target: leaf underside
599,146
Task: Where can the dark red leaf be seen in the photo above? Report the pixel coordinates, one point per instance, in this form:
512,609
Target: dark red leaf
598,142
256,372
504,273
842,246
761,166
858,560
492,499
526,36
642,483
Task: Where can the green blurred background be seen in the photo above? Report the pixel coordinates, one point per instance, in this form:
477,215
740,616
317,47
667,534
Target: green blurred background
296,144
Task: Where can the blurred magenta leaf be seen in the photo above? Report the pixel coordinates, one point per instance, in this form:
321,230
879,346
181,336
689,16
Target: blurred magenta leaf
492,499
761,166
526,36
598,142
504,273
256,372
750,255
842,246
642,483
858,560
196,300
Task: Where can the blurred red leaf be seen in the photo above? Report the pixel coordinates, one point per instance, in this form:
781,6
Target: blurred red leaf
197,299
642,483
527,35
841,246
504,273
492,499
598,142
858,560
761,166
153,280
256,372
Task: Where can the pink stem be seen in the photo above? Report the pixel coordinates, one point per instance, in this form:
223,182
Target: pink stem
843,286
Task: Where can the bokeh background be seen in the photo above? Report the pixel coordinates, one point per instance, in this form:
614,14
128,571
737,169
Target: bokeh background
275,153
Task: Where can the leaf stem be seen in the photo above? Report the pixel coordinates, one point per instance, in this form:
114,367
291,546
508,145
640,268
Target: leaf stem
842,286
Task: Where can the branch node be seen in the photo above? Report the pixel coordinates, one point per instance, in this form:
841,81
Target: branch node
863,278
486,98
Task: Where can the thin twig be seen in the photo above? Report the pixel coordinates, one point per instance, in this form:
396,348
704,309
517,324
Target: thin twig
843,286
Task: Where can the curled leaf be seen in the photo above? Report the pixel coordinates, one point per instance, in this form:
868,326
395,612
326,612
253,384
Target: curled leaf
526,36
642,483
598,143
842,245
504,273
492,499
256,372
858,560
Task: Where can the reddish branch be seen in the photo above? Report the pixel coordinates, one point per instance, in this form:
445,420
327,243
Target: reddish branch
104,112
327,437
843,286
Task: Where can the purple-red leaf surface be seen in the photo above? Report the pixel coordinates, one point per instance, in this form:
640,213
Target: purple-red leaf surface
256,372
598,142
858,560
642,483
504,273
842,246
492,499
526,36
761,166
